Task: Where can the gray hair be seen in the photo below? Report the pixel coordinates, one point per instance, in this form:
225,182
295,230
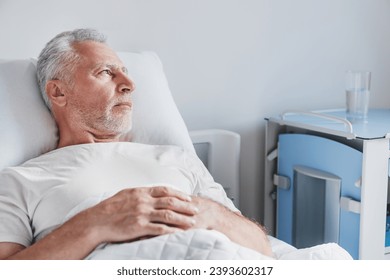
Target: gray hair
58,58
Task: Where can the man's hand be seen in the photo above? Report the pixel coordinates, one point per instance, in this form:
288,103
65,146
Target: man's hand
139,212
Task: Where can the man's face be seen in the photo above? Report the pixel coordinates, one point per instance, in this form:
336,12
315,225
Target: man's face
99,95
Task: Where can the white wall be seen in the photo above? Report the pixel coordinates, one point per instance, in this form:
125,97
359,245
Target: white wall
230,63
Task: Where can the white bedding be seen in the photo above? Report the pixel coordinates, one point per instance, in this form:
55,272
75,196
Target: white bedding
201,244
328,251
197,244
204,244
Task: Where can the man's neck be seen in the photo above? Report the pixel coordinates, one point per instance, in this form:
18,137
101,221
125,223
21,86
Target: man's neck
86,137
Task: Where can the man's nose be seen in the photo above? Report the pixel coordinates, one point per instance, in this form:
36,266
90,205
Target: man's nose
126,84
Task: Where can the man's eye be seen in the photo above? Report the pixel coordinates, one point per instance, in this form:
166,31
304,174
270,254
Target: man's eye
107,72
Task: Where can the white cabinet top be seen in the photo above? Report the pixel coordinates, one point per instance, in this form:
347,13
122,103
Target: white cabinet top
335,122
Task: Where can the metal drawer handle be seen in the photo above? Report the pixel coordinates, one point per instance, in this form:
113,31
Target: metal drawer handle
319,115
350,205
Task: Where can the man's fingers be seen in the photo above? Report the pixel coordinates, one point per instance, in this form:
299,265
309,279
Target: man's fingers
161,191
169,217
155,229
175,204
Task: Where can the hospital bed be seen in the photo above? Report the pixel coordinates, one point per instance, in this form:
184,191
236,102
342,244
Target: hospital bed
28,130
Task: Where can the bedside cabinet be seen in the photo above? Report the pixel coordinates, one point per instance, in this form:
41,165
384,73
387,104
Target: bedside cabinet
326,180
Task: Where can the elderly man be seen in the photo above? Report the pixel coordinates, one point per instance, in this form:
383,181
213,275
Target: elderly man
145,190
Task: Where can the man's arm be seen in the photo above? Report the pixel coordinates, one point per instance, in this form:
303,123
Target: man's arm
128,215
238,228
70,241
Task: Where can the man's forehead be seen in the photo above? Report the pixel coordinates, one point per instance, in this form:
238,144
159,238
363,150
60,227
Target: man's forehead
98,55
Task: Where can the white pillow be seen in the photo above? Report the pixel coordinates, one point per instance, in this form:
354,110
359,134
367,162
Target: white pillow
28,129
156,118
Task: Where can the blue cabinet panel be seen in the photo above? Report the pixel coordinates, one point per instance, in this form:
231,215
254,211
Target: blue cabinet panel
327,156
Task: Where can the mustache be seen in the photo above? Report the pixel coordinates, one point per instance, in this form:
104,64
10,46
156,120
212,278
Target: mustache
126,102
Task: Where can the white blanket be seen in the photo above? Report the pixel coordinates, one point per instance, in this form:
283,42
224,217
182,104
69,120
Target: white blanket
203,244
328,251
197,244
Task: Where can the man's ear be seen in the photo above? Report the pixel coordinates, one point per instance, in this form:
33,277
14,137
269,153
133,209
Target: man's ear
56,93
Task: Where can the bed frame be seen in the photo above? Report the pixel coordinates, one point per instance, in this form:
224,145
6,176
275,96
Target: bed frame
219,150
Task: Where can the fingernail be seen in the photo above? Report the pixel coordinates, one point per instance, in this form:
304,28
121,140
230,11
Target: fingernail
196,209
